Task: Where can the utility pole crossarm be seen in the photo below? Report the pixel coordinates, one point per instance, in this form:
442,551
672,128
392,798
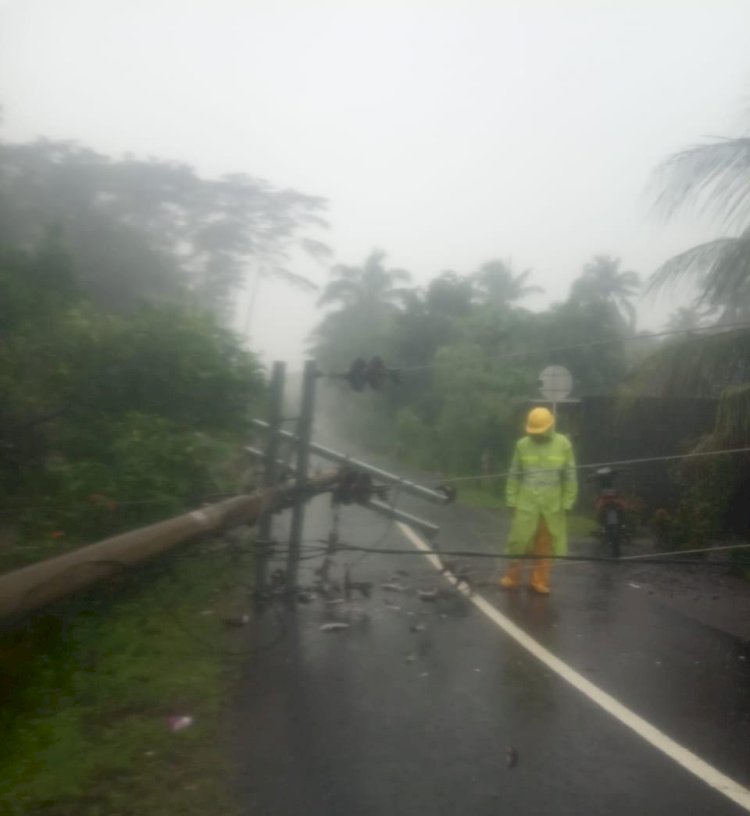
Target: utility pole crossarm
393,479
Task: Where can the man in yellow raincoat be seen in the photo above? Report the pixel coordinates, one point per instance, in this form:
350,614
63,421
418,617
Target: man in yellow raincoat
542,486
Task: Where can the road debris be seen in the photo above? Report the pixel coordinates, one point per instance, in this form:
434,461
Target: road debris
430,595
179,722
411,658
392,586
391,605
236,620
356,613
635,586
511,756
334,626
335,601
350,586
417,627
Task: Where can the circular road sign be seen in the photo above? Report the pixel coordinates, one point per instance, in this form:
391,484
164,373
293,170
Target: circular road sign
556,383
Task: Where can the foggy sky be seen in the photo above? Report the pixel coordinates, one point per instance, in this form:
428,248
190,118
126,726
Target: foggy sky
446,133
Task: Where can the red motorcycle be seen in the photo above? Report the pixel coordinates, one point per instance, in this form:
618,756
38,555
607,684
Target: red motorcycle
611,511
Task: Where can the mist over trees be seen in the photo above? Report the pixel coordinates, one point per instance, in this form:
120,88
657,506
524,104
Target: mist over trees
154,230
469,350
117,277
123,396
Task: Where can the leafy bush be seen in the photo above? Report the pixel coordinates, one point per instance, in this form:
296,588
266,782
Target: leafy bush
110,421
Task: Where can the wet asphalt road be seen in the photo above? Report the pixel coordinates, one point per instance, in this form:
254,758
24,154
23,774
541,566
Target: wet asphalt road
381,719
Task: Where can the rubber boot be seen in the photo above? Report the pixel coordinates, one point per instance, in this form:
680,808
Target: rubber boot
512,577
542,567
540,577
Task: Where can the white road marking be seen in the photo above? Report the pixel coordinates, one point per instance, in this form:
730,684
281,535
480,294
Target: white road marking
692,763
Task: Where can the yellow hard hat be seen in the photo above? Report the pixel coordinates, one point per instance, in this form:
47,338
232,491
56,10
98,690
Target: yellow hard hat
539,421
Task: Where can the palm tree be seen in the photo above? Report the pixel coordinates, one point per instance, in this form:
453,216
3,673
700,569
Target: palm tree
365,300
369,288
714,177
602,281
499,285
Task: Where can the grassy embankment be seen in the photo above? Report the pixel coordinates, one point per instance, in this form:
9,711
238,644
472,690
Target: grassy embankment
88,689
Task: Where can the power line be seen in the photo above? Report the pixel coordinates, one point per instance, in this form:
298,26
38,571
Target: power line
646,556
619,463
657,558
577,346
106,500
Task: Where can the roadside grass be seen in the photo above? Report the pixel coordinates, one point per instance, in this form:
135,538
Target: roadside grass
87,689
489,497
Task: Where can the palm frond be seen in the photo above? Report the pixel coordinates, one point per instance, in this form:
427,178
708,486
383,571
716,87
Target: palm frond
722,267
317,249
732,427
713,176
629,280
685,318
338,291
345,272
521,278
697,261
299,281
696,366
402,295
374,261
628,309
728,280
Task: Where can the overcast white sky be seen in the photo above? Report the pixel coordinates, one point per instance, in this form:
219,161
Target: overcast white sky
446,133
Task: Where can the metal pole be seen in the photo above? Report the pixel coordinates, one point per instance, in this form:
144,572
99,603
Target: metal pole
271,474
382,508
404,485
283,469
304,432
430,530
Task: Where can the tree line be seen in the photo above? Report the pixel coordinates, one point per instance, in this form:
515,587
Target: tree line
121,383
123,395
471,352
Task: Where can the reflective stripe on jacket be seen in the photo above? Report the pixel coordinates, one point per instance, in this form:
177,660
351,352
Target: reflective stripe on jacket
542,482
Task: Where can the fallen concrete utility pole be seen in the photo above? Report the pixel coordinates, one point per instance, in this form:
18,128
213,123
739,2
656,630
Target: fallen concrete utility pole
26,590
342,459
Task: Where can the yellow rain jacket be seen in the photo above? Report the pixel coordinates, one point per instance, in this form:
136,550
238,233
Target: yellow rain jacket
542,483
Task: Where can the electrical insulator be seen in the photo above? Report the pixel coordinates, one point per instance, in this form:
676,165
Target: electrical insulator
357,374
376,372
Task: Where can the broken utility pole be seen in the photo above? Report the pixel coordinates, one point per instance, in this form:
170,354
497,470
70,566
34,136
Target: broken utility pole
272,474
304,432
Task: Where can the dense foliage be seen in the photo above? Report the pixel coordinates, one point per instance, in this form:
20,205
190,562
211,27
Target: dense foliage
109,420
469,353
